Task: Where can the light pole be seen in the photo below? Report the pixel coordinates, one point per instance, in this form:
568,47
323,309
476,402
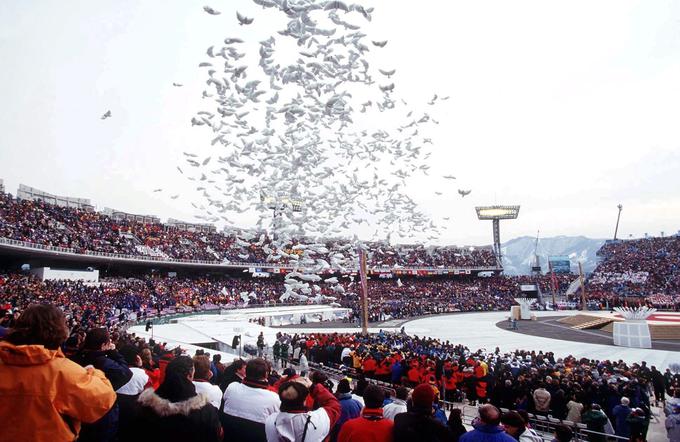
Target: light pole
616,231
495,214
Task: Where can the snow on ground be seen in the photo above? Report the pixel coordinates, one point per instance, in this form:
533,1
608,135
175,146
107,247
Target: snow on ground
478,330
475,330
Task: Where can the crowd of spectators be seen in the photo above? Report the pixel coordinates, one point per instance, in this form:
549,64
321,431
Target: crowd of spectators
638,269
115,300
610,397
104,385
89,231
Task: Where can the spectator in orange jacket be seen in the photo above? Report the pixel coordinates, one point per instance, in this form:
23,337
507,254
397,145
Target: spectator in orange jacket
43,395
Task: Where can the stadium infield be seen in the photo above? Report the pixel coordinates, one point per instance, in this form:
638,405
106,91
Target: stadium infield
550,327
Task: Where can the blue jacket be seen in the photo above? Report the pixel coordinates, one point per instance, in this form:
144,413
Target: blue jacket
440,415
117,372
486,433
396,372
621,413
350,408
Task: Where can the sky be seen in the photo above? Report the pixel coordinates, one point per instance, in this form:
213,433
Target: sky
565,108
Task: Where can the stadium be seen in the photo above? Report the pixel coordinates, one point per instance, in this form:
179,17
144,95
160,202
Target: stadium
176,286
280,262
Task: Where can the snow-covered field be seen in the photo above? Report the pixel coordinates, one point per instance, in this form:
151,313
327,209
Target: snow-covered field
478,330
475,330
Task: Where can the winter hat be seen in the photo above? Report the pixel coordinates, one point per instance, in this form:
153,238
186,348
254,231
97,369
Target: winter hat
512,419
292,395
129,353
343,386
423,396
177,387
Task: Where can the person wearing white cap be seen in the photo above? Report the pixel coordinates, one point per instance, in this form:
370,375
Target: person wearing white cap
621,413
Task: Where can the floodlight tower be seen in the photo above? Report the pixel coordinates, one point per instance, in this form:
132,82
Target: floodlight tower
618,218
496,214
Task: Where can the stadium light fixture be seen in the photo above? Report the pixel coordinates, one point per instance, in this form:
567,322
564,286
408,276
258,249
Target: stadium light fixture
495,214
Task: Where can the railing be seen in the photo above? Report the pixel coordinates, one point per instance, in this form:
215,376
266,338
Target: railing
229,264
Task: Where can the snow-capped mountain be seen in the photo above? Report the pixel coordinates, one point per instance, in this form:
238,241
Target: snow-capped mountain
518,253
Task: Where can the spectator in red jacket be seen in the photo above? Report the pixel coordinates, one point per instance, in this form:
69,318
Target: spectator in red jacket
368,366
371,426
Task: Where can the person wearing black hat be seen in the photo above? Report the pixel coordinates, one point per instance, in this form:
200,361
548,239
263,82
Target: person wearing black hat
175,412
349,407
418,424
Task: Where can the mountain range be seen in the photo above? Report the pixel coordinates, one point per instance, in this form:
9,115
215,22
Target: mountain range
519,255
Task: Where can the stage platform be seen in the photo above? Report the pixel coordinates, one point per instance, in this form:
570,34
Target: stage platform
663,326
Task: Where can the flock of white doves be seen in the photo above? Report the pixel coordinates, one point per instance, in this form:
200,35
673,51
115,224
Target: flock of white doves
308,129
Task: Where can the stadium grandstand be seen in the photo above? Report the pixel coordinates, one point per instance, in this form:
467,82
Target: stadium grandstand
643,270
44,226
147,270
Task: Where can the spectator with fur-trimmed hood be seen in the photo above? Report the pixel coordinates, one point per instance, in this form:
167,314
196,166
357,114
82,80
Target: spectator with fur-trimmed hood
175,412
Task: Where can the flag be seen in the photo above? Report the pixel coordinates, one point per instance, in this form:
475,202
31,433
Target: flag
364,290
553,279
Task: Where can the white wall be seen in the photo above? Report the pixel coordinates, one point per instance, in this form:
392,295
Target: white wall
46,273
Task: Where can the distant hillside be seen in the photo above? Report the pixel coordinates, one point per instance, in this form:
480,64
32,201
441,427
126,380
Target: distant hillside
518,254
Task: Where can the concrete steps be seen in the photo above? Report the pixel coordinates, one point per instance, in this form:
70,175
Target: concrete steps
575,320
595,323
